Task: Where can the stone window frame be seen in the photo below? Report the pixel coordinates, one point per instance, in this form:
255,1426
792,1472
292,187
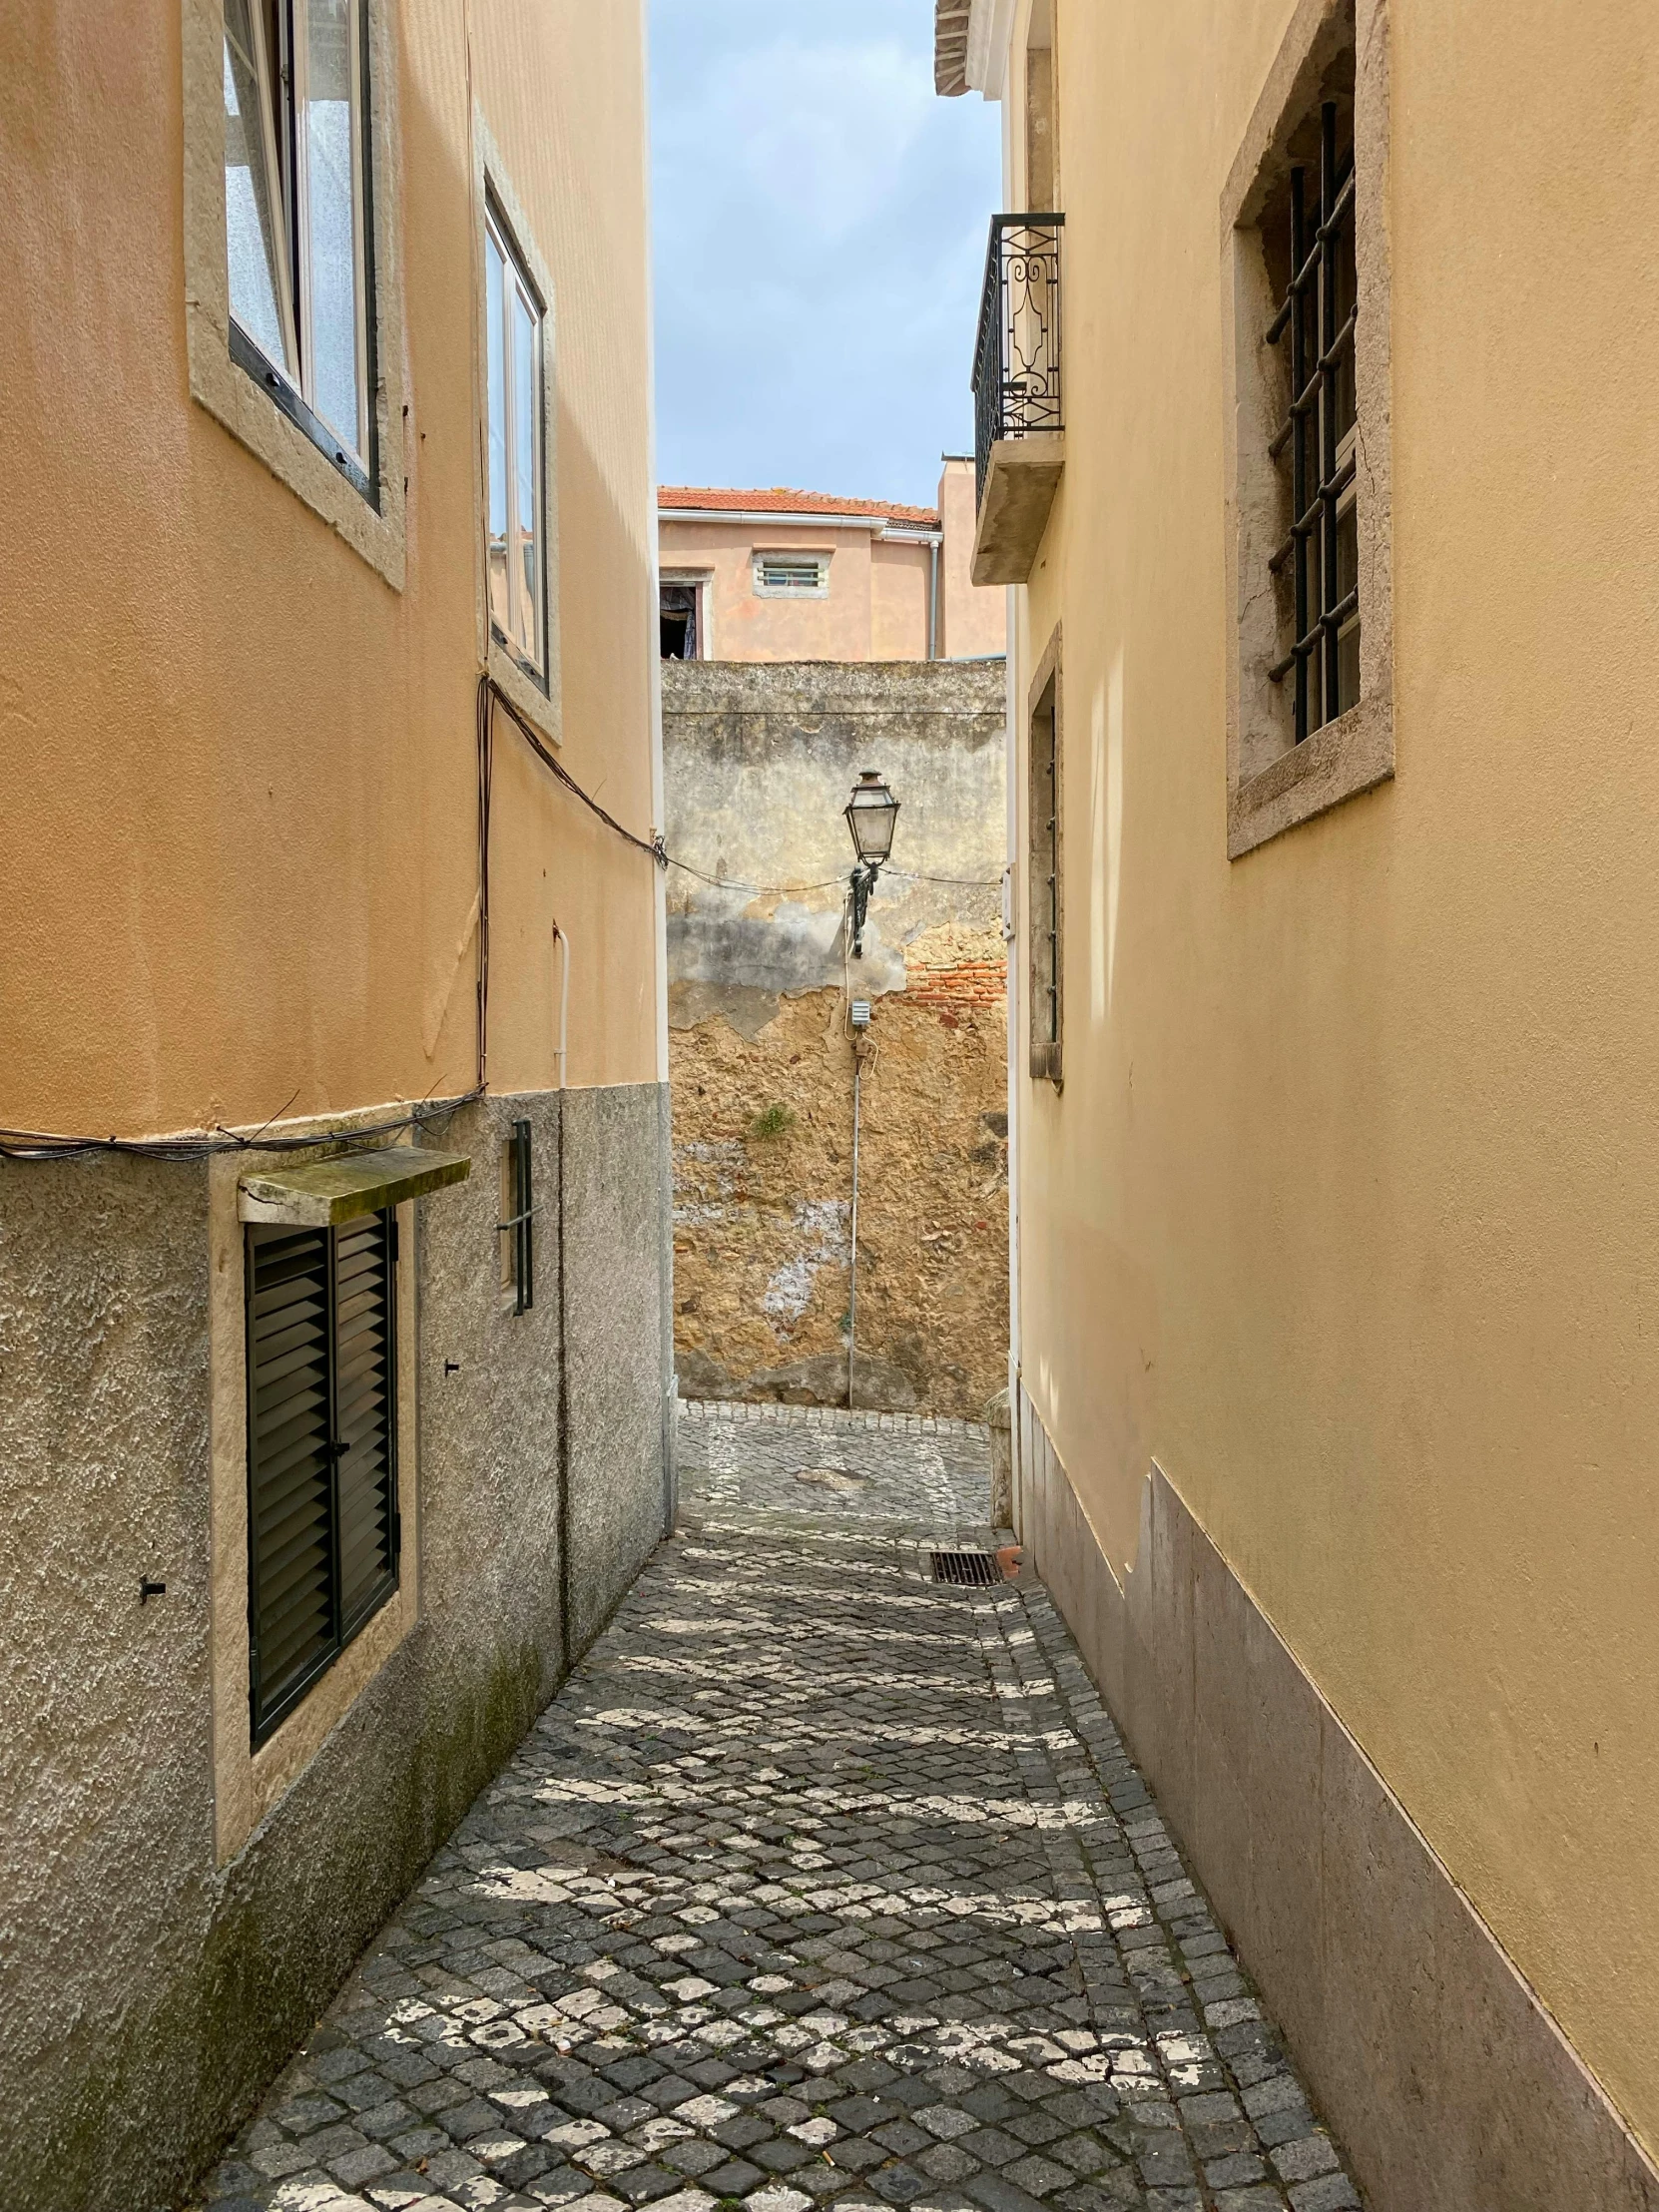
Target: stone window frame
1272,783
702,581
1047,1059
251,1781
537,699
375,529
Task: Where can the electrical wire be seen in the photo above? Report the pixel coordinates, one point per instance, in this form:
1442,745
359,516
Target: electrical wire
786,890
961,883
489,691
759,891
35,1144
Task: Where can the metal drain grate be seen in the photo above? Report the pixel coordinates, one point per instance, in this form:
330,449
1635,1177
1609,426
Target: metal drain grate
970,1569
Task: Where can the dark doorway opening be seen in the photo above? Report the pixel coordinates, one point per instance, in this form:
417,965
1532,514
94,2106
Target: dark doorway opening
679,621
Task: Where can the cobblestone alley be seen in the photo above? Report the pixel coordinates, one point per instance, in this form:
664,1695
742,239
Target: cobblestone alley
820,1881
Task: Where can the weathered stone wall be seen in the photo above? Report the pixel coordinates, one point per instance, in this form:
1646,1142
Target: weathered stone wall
152,1990
759,761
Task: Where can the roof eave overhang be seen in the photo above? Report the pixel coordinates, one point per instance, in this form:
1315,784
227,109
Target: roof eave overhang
879,526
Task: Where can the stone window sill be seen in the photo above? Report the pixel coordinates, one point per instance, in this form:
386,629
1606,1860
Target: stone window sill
1352,754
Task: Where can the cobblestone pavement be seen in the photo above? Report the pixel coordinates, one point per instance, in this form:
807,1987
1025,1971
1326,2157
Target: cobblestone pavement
820,1882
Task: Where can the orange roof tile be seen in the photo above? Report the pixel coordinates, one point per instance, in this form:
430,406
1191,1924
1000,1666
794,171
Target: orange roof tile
778,500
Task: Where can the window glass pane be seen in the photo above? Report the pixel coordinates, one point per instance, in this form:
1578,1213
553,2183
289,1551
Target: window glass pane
331,244
251,226
527,506
495,322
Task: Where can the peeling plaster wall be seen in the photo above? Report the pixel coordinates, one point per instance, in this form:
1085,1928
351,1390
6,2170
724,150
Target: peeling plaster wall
759,761
150,1993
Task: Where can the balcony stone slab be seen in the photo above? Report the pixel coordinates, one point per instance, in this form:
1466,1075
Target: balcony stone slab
1019,490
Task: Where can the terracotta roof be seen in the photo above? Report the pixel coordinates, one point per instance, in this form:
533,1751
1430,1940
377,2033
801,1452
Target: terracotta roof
778,500
951,37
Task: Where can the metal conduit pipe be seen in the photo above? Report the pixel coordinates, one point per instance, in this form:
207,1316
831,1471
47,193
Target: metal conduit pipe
853,1271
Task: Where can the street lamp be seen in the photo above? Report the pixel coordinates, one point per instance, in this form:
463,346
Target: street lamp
871,815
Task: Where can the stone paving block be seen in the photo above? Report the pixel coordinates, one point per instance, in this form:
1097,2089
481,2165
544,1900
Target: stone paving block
817,1884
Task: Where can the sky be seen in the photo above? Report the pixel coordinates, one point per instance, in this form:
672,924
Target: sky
819,220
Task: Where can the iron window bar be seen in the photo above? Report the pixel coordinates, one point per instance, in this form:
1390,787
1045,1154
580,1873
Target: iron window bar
1051,906
1016,358
1316,507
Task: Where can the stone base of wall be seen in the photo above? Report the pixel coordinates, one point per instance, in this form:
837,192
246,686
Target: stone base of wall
1449,2085
151,1991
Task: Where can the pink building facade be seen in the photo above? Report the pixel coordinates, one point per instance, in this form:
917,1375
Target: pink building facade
783,575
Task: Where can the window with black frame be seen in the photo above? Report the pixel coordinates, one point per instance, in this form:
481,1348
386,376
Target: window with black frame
296,216
517,1225
1317,566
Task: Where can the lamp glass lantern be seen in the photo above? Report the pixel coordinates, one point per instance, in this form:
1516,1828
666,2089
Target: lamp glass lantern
871,813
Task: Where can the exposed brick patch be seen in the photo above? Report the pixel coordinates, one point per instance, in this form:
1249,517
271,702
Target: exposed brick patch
954,967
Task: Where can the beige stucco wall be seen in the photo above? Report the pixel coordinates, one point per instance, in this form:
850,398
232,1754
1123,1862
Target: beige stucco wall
242,781
973,618
1347,1208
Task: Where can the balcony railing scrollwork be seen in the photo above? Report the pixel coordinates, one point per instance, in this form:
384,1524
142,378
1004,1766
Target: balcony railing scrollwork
1016,366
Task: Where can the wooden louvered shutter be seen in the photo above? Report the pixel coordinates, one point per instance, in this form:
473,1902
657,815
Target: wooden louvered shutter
291,1614
366,1403
322,1448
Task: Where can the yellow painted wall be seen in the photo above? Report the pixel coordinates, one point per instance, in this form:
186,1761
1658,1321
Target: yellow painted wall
239,772
1350,1206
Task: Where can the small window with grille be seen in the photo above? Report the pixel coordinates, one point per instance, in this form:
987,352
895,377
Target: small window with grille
791,575
323,1532
516,1228
1317,565
1046,902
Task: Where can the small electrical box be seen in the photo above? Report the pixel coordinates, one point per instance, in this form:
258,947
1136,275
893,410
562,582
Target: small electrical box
861,1013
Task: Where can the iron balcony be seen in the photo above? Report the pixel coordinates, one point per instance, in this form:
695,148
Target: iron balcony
1019,415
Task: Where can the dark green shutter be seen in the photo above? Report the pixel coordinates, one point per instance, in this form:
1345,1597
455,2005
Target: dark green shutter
322,1534
365,1414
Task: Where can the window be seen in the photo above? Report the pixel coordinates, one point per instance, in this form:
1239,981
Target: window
295,215
1043,846
791,575
678,612
514,315
1316,567
322,1522
518,1222
1305,287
